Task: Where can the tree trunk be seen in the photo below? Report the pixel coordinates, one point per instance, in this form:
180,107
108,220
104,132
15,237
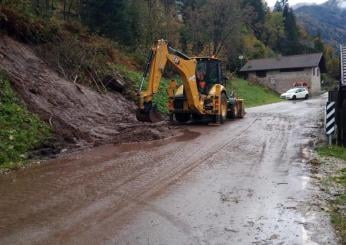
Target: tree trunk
69,9
64,13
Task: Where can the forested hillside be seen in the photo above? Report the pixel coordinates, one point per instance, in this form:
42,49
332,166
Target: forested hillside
327,20
214,27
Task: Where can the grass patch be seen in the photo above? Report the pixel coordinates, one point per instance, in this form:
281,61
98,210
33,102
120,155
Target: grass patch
338,213
253,94
332,151
20,131
339,222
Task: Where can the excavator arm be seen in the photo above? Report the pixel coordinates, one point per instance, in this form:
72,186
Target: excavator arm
161,55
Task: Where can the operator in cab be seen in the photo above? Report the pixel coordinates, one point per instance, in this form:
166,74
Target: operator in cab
201,78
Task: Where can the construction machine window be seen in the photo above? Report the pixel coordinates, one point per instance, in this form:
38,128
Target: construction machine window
208,73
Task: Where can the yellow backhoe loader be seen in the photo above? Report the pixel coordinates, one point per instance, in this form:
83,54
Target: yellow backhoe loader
201,96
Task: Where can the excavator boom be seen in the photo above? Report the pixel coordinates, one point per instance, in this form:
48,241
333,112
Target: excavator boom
160,55
202,94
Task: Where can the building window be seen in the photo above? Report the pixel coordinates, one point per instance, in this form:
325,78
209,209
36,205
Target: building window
313,71
261,74
318,71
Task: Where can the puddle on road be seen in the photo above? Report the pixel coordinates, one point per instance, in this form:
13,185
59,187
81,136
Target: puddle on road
112,151
186,135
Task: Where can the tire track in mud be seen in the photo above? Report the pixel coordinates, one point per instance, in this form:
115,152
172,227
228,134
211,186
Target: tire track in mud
275,134
116,200
156,186
67,190
64,195
150,190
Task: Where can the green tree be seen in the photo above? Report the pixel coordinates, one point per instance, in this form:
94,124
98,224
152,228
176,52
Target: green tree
290,43
280,5
216,23
109,18
274,30
318,43
332,62
255,12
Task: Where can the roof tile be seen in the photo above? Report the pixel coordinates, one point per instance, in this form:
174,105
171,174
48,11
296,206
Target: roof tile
283,62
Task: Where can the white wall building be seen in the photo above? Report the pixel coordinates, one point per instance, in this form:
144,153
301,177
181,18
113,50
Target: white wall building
285,72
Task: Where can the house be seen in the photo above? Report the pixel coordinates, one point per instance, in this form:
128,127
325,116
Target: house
284,72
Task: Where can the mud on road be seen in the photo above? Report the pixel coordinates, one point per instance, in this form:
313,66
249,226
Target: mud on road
245,182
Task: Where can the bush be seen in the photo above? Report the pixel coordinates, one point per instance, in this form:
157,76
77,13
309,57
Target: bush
27,28
85,58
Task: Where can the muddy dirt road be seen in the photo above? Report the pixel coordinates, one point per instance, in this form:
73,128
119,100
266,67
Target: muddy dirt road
245,182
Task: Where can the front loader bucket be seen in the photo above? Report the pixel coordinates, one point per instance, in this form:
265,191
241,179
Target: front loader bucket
151,115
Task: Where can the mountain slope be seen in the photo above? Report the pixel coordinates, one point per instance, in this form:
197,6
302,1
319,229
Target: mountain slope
328,19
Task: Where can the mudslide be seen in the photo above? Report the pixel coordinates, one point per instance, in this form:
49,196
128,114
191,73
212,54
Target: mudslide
77,113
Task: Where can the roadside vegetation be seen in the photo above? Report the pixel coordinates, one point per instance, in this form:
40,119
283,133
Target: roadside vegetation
338,204
20,131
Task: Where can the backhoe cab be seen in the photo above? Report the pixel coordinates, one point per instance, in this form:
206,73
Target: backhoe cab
202,95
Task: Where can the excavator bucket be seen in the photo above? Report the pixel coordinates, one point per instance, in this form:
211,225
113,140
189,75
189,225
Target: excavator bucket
151,115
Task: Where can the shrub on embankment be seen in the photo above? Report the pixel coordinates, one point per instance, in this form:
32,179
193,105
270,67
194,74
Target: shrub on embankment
20,131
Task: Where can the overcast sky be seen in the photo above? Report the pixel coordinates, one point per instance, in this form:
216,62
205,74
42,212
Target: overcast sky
293,2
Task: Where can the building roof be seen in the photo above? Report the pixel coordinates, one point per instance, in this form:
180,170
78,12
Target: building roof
284,62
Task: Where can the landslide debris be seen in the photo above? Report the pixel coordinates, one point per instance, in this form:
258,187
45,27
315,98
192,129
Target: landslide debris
78,114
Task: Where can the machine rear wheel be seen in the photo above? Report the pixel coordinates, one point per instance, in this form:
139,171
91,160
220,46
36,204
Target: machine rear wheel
234,112
182,117
223,109
241,114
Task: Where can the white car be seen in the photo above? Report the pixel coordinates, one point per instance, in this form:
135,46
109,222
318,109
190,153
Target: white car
295,93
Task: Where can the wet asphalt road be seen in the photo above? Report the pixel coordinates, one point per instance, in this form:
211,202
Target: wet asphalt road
245,182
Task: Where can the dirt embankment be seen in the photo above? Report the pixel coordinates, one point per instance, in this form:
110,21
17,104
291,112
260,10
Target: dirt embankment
78,114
